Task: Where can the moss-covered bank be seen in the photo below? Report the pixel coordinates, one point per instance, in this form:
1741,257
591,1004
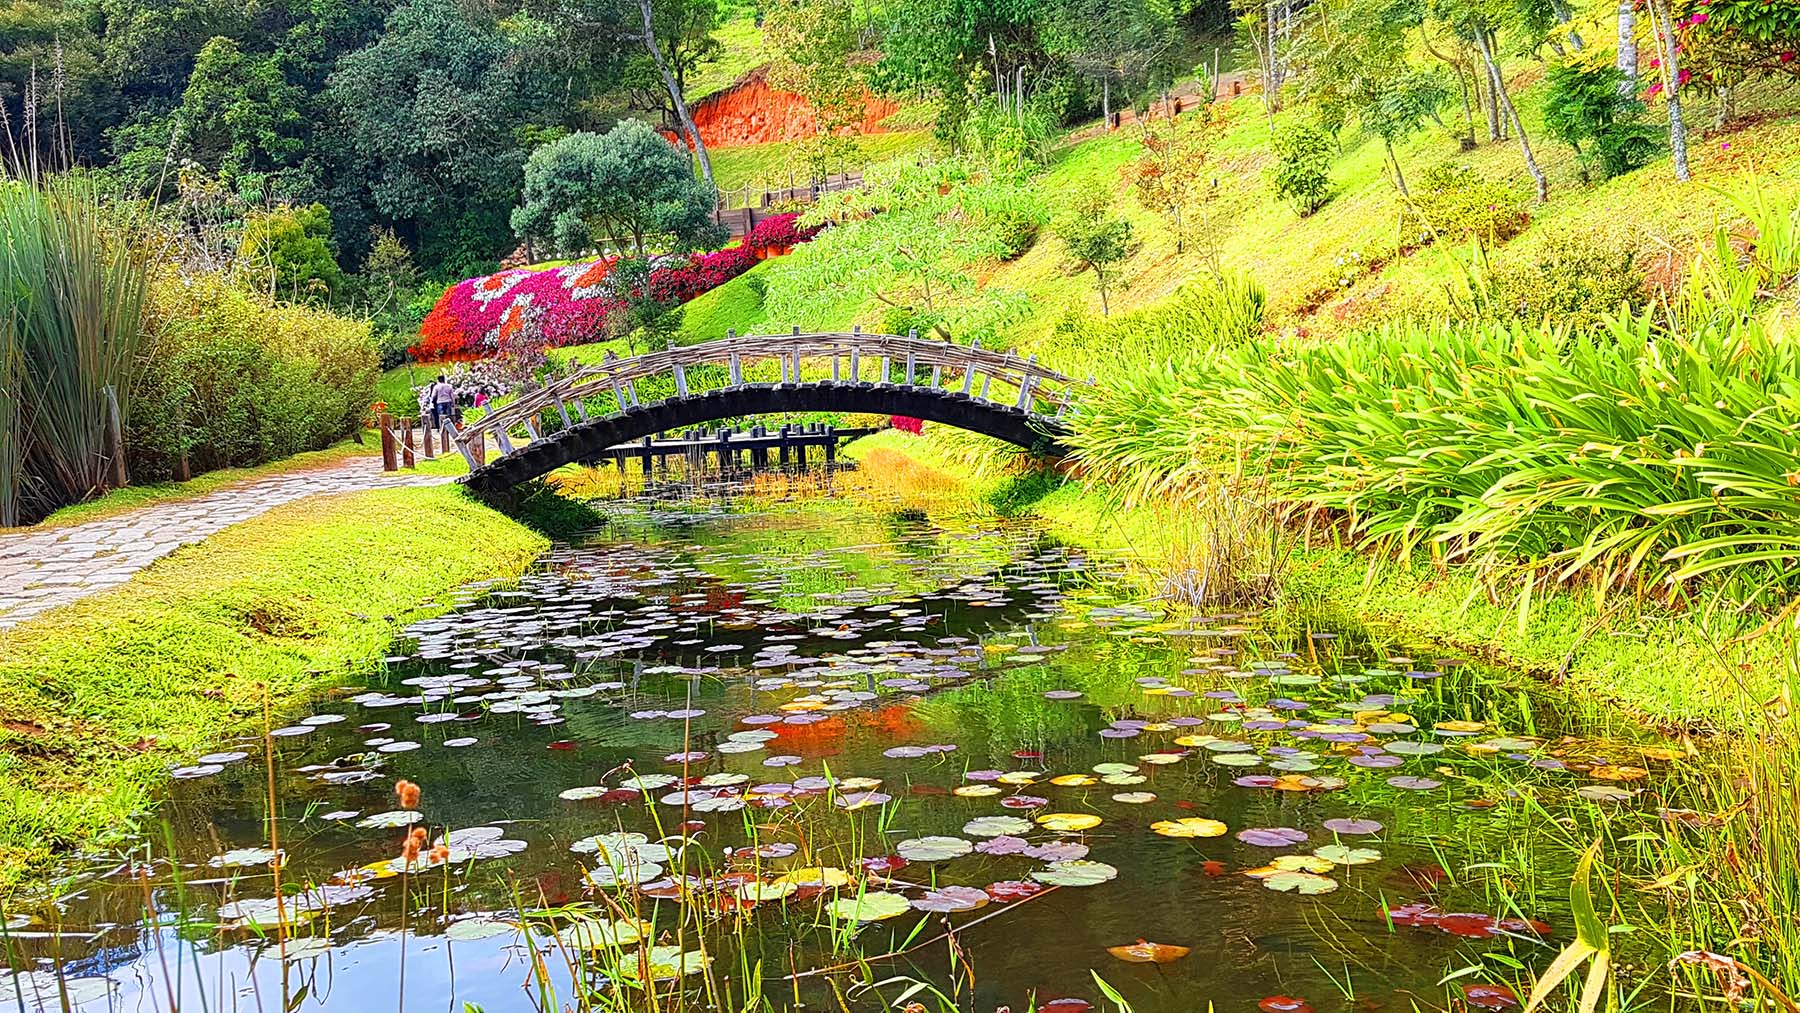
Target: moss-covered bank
1689,668
103,697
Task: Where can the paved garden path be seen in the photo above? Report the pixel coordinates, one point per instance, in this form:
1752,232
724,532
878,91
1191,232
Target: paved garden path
40,570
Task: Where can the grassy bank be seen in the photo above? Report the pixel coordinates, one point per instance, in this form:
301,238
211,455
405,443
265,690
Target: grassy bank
106,695
1688,669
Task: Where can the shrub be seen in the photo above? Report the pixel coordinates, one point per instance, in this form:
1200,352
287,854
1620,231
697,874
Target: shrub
236,379
1302,171
1584,103
1010,212
1454,202
573,305
1574,282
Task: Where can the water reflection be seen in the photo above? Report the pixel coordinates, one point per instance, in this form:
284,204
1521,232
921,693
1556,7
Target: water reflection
741,749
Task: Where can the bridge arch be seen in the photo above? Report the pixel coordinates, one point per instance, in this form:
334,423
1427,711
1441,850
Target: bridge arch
994,394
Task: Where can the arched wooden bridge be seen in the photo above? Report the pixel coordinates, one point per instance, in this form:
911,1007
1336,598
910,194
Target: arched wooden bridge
996,394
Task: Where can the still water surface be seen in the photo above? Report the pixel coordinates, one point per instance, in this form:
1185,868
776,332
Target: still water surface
827,732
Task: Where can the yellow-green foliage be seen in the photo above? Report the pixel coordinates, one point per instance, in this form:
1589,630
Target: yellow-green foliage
104,696
235,378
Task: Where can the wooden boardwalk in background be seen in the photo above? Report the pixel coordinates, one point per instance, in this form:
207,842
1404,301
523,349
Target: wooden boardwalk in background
741,209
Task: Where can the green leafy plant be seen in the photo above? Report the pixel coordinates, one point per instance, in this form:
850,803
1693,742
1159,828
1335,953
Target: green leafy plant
1093,235
1573,282
1301,174
1454,202
1585,105
1592,944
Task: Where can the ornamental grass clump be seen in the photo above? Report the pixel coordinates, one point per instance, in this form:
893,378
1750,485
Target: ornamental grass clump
72,292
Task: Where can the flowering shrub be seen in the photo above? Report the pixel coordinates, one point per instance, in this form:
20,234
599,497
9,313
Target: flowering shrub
907,424
487,316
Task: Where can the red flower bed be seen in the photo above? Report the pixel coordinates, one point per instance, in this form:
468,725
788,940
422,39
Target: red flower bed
559,306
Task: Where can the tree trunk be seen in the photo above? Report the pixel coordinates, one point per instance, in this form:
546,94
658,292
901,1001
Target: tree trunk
1628,52
1467,141
674,87
1106,100
1671,70
1491,106
1394,160
1512,114
1276,10
1100,275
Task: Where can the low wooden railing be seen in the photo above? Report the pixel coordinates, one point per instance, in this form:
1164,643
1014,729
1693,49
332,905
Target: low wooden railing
999,378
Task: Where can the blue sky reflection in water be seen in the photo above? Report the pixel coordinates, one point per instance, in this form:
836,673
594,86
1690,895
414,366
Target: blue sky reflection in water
880,723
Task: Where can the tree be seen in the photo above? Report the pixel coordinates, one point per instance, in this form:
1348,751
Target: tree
1584,104
683,30
1093,236
1129,44
1357,58
240,118
629,186
1670,86
1478,22
646,313
425,124
291,247
675,91
1168,178
1302,171
815,42
935,46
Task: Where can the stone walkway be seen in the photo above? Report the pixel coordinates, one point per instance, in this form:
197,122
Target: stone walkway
40,570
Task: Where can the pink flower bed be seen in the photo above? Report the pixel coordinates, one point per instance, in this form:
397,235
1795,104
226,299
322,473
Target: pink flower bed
480,317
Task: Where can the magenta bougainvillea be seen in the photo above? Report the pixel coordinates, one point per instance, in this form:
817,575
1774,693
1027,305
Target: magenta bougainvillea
480,317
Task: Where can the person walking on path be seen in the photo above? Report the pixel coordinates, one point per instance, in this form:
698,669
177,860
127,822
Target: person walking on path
443,402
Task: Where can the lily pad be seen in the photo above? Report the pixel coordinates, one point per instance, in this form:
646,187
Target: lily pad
932,849
871,906
1068,823
1075,873
1192,826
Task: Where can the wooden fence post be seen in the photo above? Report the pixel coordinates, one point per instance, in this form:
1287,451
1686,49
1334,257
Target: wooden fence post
430,443
389,459
406,456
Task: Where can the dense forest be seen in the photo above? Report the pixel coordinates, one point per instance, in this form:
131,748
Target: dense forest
415,118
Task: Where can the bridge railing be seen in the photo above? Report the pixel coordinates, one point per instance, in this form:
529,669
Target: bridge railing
1000,378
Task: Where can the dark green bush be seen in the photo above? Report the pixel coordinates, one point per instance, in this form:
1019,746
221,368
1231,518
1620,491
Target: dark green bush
1586,110
1302,171
236,379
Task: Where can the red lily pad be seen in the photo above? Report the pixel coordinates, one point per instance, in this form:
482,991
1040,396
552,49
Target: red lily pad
1490,996
1284,1004
1008,890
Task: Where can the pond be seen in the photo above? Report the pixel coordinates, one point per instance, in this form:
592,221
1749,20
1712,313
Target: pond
831,755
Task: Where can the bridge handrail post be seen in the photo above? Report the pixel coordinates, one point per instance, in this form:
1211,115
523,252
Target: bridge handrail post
911,337
1025,383
969,367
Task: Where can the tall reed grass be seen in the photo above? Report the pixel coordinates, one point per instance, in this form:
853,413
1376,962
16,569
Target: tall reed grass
72,291
1655,451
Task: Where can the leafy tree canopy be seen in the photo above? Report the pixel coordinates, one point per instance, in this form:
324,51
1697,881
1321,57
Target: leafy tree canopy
629,186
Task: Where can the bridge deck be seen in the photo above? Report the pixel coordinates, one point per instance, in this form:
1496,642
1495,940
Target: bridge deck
853,368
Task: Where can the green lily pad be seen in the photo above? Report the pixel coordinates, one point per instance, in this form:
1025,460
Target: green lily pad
872,906
1079,872
932,849
1341,854
1308,884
